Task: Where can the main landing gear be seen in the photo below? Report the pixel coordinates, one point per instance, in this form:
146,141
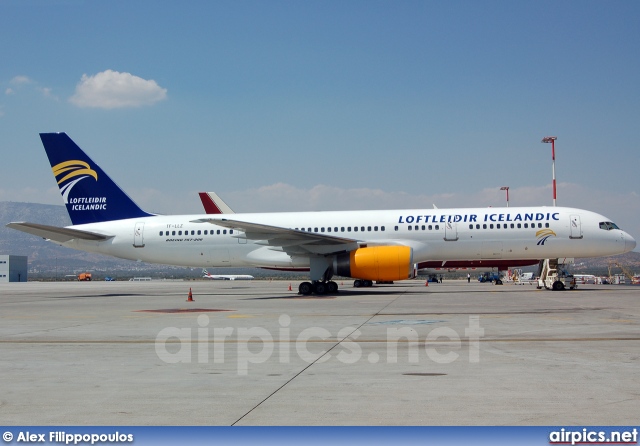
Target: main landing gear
318,287
328,287
362,283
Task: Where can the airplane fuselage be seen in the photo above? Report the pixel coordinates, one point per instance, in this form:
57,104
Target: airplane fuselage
440,235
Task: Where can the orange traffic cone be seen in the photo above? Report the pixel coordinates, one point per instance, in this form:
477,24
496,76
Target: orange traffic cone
289,287
426,283
190,296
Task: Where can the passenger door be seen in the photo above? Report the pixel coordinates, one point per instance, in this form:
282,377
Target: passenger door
451,231
575,226
138,235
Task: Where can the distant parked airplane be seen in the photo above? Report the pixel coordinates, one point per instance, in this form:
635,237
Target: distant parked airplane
226,276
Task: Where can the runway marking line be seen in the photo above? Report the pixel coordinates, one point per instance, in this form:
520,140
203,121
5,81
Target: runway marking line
181,310
313,341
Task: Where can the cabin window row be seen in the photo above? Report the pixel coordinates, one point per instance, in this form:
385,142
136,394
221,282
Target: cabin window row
344,229
198,232
506,226
419,227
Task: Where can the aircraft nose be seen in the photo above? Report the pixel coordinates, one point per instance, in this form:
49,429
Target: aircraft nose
629,243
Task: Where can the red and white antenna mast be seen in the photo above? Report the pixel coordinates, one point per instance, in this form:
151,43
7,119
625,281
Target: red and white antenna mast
552,140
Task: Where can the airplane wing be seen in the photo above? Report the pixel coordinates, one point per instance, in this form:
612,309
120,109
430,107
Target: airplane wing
57,234
290,240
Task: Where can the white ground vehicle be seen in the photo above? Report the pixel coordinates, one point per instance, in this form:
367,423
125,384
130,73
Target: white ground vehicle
520,278
553,277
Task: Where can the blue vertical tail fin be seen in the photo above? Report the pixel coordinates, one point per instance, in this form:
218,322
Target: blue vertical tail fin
89,194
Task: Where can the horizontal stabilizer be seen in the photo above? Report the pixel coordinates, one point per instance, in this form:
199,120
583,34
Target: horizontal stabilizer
56,233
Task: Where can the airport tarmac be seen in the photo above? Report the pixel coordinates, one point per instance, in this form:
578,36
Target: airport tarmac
254,353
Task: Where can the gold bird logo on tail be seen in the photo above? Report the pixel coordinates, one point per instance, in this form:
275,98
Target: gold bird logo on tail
69,170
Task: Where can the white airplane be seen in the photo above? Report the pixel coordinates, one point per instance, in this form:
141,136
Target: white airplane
208,275
586,278
365,245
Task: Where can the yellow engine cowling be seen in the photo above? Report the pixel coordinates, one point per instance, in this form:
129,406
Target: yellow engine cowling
376,263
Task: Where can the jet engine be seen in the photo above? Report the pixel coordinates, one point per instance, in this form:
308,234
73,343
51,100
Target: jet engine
380,263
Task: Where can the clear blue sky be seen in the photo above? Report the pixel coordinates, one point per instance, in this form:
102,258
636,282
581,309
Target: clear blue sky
328,105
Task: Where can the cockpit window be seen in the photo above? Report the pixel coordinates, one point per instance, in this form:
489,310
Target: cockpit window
608,226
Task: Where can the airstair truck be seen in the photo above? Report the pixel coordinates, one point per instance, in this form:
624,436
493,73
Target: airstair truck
553,277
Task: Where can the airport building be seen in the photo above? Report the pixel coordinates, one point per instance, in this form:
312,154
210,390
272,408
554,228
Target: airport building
13,268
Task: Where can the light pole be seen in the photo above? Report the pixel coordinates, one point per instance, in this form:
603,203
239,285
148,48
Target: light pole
552,140
507,189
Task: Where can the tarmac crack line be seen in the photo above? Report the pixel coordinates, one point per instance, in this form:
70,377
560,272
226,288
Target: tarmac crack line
316,360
